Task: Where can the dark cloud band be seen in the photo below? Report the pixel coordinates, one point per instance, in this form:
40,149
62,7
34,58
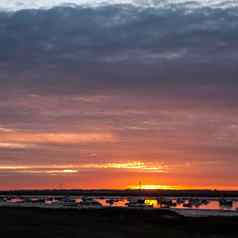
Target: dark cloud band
119,34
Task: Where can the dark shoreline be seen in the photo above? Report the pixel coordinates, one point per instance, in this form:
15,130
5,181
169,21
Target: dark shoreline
127,192
119,223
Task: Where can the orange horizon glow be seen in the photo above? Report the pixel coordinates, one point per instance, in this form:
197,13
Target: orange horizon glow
147,187
145,172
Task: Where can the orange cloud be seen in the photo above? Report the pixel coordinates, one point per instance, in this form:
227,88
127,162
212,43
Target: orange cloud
5,145
134,166
50,172
9,139
40,169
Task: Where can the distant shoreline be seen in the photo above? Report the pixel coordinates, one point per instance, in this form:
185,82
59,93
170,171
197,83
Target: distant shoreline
126,192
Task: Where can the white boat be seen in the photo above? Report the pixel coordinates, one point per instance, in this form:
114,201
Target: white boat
51,200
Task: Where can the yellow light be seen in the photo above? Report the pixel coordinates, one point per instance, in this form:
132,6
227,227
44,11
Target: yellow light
151,202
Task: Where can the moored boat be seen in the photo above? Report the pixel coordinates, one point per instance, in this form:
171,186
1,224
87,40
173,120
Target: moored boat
90,204
138,203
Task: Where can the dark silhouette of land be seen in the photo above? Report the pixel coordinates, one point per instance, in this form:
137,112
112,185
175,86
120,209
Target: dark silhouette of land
127,192
111,223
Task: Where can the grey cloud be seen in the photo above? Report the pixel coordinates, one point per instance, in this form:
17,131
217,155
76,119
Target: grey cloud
65,34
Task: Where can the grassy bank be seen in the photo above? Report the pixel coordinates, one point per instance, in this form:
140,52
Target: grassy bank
113,223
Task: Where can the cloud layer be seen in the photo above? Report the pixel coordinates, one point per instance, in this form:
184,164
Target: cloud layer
31,4
115,34
108,95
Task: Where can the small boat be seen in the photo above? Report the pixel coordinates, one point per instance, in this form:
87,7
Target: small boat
37,200
187,204
110,201
15,200
166,203
138,203
90,204
84,198
195,202
69,202
205,202
51,200
226,202
180,200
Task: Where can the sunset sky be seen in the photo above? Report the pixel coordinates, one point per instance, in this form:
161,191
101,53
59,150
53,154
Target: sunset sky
104,94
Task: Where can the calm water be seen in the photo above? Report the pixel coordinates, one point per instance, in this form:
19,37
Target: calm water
212,204
122,202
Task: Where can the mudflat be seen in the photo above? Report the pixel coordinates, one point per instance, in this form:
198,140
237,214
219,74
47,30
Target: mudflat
111,223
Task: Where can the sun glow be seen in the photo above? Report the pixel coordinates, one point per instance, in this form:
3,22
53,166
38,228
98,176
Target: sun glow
153,187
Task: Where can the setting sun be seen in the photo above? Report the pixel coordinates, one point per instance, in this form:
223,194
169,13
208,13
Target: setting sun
153,187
